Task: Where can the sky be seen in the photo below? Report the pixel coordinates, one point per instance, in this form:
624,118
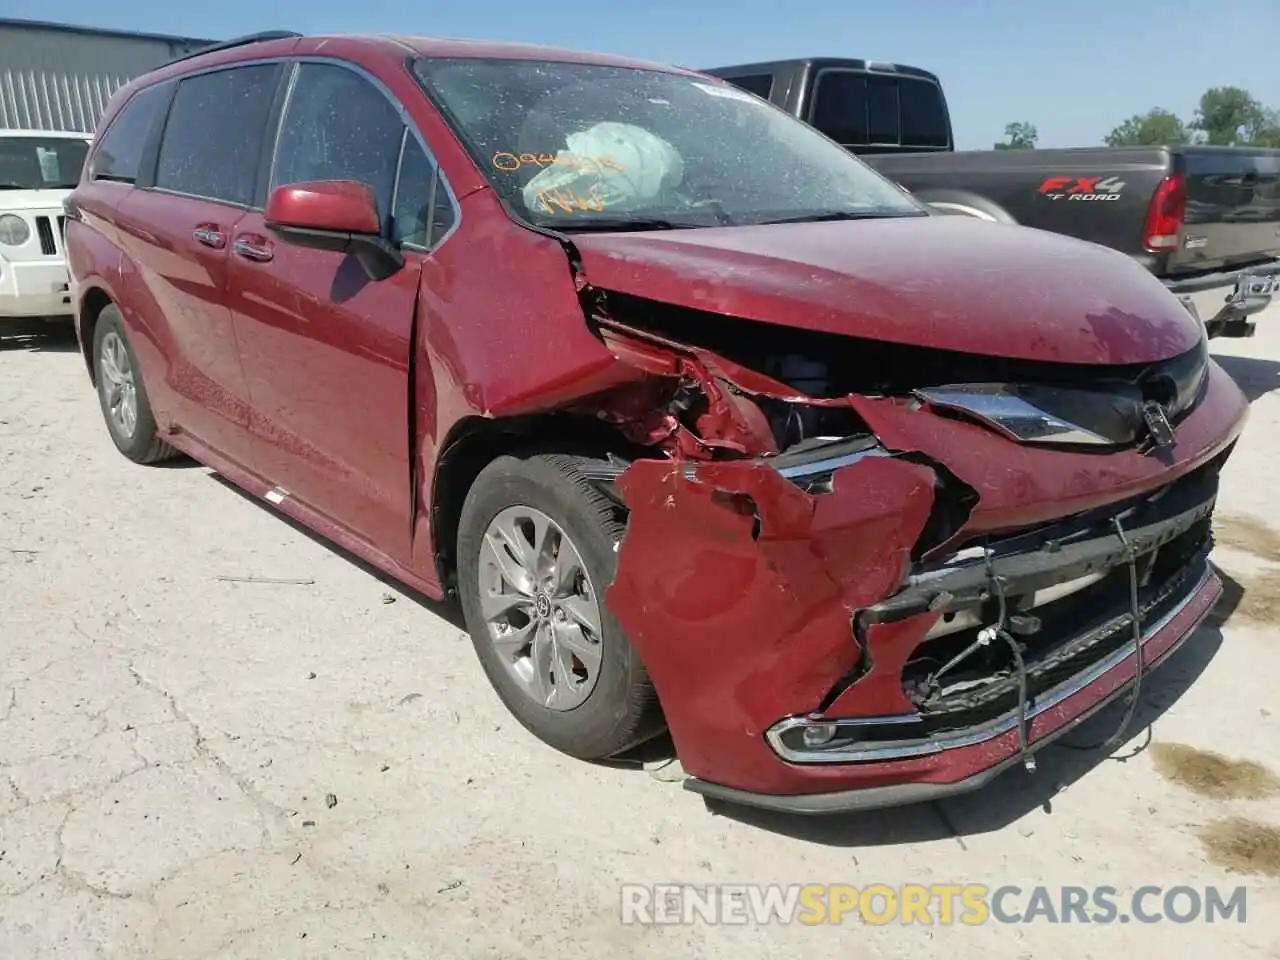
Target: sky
1073,69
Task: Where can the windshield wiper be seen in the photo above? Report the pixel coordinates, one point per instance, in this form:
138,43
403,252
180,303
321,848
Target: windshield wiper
818,217
618,223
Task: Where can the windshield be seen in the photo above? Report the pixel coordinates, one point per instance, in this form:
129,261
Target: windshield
41,163
570,145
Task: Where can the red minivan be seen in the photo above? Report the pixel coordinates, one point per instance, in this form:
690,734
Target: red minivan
708,427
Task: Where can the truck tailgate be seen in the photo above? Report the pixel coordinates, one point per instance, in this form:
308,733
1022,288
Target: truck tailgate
1233,208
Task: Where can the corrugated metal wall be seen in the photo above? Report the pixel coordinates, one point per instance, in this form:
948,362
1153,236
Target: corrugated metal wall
53,79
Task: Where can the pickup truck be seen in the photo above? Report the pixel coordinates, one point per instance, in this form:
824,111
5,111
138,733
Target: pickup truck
1203,220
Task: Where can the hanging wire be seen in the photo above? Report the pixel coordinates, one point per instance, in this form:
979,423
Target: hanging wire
1135,615
999,630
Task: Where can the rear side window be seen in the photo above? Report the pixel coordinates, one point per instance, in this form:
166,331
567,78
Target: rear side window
924,114
860,109
339,126
761,84
213,138
119,153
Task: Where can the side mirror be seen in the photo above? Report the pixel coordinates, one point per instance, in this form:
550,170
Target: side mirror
337,215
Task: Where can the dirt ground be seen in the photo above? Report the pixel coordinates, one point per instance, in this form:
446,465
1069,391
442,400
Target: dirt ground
196,767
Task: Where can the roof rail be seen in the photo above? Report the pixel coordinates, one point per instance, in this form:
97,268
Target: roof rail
238,42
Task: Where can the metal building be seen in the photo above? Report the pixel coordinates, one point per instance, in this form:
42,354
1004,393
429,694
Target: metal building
54,76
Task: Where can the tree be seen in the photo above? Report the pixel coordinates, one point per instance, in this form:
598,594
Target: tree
1019,136
1265,132
1156,127
1229,116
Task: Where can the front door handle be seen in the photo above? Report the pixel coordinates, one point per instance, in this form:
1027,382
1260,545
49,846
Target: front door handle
253,248
209,235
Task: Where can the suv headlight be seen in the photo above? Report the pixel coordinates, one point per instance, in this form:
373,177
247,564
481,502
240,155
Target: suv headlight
14,231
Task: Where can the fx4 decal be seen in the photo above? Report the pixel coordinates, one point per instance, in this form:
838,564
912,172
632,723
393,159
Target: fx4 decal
1081,188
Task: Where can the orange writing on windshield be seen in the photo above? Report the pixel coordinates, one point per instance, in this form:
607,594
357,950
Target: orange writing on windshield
567,201
511,162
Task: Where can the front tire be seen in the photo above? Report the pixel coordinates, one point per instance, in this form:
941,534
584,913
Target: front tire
536,551
121,393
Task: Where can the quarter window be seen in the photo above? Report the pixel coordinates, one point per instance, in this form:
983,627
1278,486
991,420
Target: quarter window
443,215
214,134
338,126
761,84
119,155
423,213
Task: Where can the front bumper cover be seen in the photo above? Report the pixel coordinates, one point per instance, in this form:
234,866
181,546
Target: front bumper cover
34,289
990,754
964,756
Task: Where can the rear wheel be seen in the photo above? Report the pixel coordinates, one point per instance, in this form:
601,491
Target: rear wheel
536,551
121,393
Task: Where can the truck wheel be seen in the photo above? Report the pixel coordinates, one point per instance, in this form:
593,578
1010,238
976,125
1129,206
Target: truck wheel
948,209
960,203
121,393
536,551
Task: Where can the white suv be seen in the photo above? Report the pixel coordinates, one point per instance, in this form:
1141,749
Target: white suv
38,168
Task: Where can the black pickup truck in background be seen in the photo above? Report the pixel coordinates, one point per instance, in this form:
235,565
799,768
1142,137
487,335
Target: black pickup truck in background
1203,220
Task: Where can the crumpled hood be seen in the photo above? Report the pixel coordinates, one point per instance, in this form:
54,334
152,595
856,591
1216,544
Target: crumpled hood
953,283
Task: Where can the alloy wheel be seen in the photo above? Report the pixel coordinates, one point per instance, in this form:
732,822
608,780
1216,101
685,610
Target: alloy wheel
119,391
540,607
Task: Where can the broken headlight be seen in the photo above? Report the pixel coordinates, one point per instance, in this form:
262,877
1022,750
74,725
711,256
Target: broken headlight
1030,413
1108,413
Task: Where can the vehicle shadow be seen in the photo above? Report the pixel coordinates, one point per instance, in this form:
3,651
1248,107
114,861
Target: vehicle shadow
38,336
1255,376
1232,594
179,461
1015,793
449,611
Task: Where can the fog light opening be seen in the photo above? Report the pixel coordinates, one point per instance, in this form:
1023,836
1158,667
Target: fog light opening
819,734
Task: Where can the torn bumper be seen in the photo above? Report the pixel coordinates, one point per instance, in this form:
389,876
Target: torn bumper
972,759
742,589
945,747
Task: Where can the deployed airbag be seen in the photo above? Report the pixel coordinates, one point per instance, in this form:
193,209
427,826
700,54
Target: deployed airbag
614,167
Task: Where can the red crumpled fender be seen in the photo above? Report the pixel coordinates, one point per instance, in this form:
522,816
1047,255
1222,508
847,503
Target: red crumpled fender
738,625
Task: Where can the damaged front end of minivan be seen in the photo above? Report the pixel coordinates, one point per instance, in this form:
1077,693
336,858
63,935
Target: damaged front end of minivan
864,573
